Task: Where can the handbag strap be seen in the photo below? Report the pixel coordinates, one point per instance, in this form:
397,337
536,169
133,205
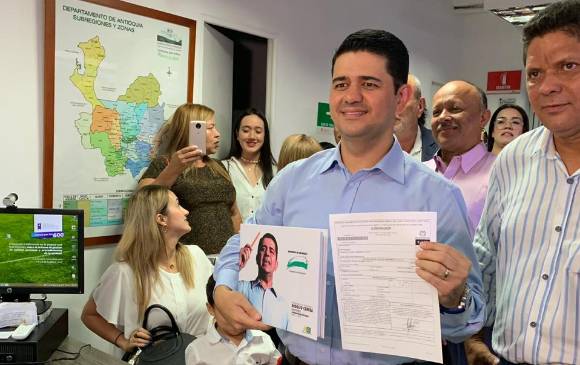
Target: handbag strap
174,326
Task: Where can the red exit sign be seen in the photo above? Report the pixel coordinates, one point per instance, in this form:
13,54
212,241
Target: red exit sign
504,81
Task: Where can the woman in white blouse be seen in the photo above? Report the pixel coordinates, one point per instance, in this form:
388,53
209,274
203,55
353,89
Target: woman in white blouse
151,267
250,162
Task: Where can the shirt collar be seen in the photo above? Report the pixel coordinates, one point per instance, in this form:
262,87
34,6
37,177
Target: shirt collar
392,164
213,336
256,283
467,160
545,145
332,159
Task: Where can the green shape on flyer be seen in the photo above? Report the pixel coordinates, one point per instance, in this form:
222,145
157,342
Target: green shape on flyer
301,264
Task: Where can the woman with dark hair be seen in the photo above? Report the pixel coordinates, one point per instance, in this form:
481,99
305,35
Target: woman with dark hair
508,122
250,162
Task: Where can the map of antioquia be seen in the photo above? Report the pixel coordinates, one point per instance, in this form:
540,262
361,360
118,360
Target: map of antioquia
123,129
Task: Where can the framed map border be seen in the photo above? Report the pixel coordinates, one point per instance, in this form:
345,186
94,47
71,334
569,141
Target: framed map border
49,85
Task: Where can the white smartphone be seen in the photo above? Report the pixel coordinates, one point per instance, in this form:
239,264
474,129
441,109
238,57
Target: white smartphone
197,135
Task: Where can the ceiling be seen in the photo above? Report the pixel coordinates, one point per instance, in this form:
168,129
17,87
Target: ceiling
516,12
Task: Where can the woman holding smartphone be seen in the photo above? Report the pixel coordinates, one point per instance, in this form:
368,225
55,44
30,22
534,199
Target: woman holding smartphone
250,162
201,183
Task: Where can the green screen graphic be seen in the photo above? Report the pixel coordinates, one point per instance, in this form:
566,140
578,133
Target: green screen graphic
38,250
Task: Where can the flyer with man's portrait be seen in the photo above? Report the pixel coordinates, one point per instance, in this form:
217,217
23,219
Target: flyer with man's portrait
283,275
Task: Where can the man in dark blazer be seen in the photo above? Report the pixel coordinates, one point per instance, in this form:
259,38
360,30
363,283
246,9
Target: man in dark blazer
414,138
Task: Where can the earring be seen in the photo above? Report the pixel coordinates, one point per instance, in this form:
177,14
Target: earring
164,229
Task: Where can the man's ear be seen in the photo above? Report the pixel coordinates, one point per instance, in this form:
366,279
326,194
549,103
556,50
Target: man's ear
485,118
403,95
421,106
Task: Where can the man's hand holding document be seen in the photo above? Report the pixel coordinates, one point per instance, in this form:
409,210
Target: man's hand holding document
283,275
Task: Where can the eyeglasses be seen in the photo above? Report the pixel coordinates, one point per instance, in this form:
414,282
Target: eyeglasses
513,123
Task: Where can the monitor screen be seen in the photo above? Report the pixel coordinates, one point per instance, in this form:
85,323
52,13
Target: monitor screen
41,251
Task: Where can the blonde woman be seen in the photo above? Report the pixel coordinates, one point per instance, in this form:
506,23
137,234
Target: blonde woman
151,267
201,183
297,147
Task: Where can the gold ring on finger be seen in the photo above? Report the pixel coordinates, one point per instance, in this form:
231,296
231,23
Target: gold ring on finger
446,274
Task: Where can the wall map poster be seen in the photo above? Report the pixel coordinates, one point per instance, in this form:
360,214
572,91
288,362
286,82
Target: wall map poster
114,73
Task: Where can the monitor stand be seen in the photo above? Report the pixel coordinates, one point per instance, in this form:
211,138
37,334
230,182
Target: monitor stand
41,305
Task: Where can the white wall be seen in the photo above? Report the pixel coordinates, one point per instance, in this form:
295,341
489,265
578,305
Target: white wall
305,35
491,44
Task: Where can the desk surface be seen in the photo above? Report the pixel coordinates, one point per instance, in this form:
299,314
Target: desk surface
88,355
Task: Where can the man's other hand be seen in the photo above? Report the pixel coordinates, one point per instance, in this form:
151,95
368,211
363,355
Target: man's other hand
238,312
446,269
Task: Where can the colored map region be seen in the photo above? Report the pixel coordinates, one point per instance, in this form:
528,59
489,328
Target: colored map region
123,129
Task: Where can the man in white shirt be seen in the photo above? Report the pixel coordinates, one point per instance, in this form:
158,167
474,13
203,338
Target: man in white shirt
413,136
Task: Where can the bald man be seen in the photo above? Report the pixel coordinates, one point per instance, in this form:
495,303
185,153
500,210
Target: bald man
459,113
413,136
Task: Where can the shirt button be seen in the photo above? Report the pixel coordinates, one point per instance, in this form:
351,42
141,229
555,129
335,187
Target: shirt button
545,276
533,324
570,180
558,229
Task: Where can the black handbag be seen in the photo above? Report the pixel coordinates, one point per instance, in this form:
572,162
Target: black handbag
167,346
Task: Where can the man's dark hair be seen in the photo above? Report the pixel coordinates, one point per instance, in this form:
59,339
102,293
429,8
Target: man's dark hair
381,43
209,288
525,122
270,236
560,16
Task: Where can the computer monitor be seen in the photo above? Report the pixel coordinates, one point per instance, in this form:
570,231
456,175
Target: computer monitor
41,252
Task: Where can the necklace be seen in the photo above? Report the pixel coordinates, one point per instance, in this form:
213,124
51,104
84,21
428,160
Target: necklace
249,161
171,267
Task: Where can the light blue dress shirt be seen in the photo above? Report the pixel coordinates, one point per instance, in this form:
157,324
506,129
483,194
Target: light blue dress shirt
306,192
274,308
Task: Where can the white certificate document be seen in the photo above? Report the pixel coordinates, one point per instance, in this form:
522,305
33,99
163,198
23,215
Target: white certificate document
383,305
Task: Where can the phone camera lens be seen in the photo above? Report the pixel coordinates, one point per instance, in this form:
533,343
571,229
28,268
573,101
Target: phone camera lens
198,125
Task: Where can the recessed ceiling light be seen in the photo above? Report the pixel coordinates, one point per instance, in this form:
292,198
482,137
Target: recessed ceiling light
519,15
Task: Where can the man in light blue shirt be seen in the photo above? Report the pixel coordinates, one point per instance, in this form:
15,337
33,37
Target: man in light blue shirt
260,291
367,172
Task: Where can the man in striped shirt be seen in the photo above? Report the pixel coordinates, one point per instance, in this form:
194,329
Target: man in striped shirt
528,240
